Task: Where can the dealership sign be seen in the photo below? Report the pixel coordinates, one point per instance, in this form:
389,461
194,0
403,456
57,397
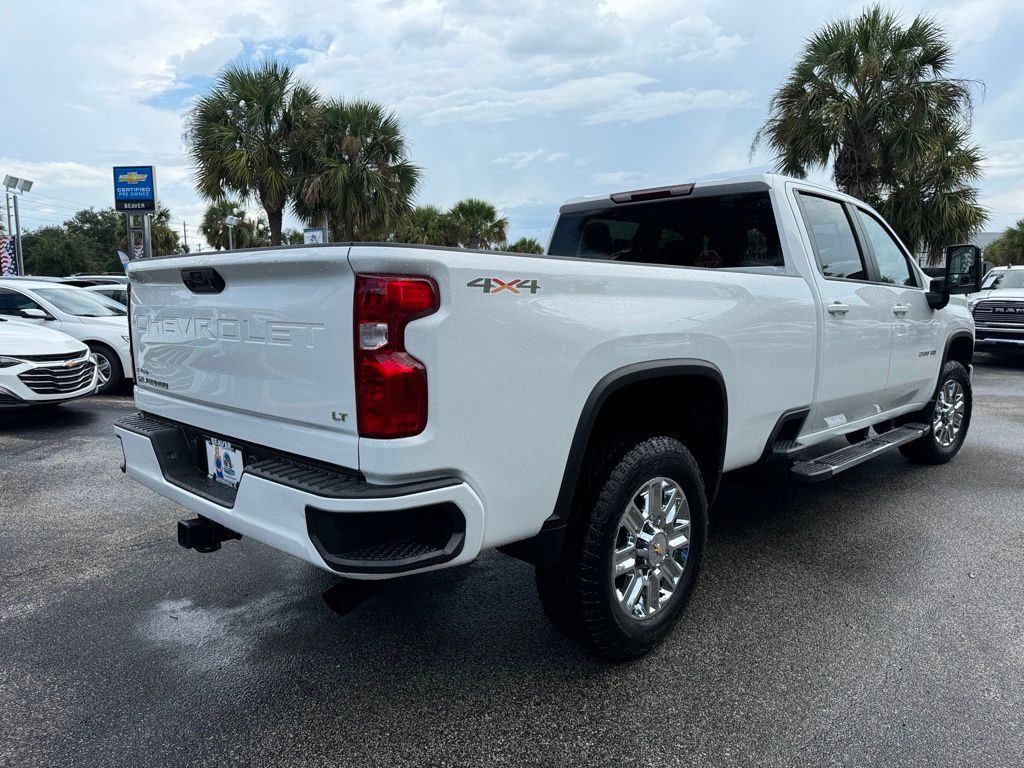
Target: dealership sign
134,188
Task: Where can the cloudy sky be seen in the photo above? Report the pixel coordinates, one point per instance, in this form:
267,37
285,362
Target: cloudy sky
522,102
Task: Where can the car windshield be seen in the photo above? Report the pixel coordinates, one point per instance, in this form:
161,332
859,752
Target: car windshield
81,303
1004,279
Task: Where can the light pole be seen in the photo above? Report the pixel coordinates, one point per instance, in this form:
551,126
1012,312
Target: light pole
13,188
231,222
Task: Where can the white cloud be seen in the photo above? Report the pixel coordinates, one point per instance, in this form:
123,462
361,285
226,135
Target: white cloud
638,106
615,178
516,160
207,58
617,96
1005,159
66,174
978,20
697,37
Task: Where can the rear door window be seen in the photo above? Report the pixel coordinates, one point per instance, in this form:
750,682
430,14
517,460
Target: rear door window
735,231
835,247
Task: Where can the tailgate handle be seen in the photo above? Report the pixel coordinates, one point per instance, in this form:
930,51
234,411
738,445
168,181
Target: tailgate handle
205,280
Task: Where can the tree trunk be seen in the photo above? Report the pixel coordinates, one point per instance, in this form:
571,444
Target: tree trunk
274,219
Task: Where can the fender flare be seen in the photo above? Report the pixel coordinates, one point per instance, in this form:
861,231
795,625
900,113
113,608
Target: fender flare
544,547
959,334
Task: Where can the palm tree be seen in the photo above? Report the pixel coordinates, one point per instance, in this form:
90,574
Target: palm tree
352,166
213,227
523,245
933,202
873,99
1008,248
428,225
241,134
477,224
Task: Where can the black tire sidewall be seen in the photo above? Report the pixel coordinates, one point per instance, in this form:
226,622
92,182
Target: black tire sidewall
650,458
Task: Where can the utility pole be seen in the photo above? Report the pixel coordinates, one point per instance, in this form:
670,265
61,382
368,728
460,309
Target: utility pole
184,233
16,187
17,229
147,235
231,222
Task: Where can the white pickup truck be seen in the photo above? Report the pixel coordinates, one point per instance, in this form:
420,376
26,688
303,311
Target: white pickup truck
383,409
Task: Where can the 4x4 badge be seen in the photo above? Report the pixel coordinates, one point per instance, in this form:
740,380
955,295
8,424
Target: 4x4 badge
496,285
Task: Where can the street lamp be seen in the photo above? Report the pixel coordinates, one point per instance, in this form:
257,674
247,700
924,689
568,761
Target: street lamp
13,187
232,222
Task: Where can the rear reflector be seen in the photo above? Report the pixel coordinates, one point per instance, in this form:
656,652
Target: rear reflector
391,384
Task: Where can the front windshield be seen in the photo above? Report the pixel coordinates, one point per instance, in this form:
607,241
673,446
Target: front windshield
1004,279
81,303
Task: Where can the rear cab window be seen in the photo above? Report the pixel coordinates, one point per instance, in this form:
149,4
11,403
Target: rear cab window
731,231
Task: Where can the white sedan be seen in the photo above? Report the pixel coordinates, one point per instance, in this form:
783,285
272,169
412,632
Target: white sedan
42,367
98,321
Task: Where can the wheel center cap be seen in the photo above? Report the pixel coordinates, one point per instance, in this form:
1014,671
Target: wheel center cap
657,549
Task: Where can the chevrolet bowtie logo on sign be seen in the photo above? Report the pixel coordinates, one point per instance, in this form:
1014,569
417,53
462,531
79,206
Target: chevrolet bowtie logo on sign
134,188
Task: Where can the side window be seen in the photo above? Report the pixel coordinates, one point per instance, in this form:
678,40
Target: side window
893,265
835,247
12,302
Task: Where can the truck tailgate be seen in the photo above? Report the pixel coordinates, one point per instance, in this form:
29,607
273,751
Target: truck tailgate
267,358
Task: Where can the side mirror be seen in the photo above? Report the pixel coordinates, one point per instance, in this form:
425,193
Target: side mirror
938,293
36,314
963,268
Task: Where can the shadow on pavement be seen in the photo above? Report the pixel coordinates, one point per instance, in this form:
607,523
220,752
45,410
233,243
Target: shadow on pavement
1007,361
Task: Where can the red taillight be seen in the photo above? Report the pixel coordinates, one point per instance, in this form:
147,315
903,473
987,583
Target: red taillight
131,332
391,384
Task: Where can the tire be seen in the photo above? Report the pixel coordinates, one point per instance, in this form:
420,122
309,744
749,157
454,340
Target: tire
949,415
107,360
623,617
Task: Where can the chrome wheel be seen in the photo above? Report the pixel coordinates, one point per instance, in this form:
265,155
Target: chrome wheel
102,368
948,416
651,547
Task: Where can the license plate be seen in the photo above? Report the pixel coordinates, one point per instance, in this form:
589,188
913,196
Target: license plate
223,462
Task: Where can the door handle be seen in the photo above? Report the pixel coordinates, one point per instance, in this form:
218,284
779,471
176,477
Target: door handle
901,309
837,308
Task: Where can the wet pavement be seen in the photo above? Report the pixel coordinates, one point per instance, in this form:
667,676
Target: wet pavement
877,619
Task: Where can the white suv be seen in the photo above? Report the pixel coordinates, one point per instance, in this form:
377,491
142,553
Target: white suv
98,321
42,367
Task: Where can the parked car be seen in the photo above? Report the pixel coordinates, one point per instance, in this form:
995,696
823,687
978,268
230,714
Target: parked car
380,410
114,292
998,310
98,321
40,366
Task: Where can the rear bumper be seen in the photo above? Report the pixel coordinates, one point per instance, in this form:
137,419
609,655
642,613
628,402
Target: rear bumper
331,519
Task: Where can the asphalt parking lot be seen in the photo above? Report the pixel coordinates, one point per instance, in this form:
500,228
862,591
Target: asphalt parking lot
874,620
